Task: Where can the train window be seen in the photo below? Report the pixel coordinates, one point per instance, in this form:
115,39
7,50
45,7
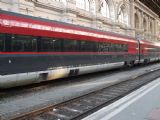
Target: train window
8,42
104,47
96,47
49,44
88,46
70,45
2,40
29,43
117,48
125,48
112,47
121,48
16,43
23,43
57,45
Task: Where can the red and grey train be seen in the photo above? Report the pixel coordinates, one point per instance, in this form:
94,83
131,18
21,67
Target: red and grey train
34,49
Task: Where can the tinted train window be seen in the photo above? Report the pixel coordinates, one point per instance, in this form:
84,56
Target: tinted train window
2,40
120,47
21,43
112,47
17,44
57,45
50,44
30,44
115,48
125,48
88,46
104,47
70,45
47,44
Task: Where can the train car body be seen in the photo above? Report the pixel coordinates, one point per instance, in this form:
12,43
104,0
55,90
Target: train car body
149,51
34,50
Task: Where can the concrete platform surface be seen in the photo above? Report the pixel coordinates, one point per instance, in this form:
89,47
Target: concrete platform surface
142,104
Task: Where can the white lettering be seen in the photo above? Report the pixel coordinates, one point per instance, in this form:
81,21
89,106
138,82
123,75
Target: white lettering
5,22
25,25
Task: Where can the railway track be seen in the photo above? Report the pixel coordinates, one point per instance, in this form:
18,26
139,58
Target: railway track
82,106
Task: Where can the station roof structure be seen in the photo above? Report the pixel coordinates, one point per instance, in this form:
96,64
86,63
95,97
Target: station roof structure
154,5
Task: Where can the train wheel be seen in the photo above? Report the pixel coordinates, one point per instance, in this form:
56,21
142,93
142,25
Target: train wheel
132,63
146,61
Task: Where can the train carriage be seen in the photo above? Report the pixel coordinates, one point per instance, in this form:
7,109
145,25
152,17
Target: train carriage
149,51
35,49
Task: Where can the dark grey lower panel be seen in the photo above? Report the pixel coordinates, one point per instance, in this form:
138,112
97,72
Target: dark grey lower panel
31,63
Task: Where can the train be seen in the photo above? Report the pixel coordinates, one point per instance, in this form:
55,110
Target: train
35,49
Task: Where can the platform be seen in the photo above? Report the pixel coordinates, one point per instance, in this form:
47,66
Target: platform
142,104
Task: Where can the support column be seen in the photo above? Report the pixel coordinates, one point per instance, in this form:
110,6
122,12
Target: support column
132,17
15,6
156,29
132,12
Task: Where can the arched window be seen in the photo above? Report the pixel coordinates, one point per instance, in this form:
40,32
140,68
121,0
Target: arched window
80,4
92,6
145,24
104,8
136,21
88,5
151,27
123,15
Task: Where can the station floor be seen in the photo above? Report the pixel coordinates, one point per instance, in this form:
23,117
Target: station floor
142,104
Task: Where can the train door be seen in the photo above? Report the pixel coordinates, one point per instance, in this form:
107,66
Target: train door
139,51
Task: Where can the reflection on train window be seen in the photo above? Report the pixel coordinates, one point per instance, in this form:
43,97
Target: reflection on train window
112,47
125,48
49,44
70,45
2,42
23,43
57,44
88,46
104,47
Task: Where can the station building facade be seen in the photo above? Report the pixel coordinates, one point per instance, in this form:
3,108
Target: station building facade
128,17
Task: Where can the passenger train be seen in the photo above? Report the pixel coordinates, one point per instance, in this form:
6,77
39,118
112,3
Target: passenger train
34,49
